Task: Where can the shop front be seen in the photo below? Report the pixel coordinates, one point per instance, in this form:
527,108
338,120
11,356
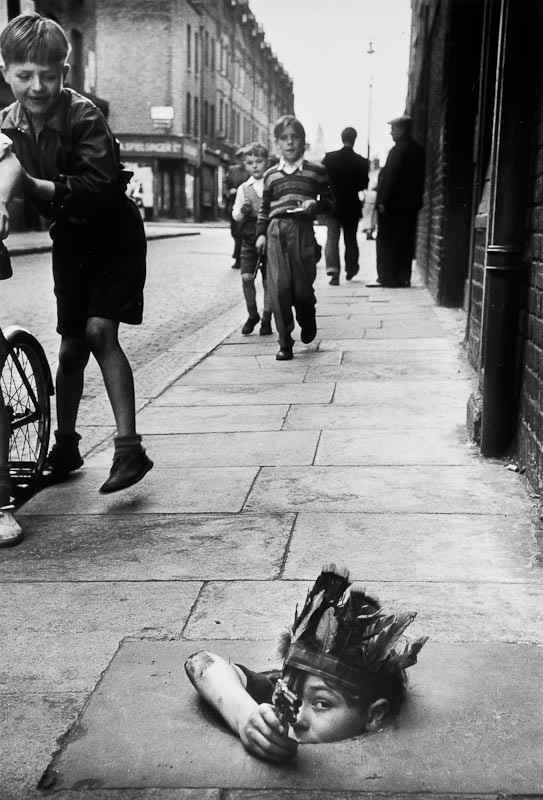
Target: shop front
164,169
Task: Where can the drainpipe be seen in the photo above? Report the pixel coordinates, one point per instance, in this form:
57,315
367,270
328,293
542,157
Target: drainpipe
505,272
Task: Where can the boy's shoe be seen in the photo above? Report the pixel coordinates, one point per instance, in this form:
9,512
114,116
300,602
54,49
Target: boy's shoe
334,280
350,273
10,531
265,325
64,457
250,325
309,331
284,354
127,469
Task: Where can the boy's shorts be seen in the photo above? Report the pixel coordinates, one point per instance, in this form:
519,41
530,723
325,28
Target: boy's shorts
249,258
99,270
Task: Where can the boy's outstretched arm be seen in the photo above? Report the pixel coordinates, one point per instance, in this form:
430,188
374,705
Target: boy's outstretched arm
222,685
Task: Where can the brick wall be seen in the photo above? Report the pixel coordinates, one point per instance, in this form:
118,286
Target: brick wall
473,338
530,430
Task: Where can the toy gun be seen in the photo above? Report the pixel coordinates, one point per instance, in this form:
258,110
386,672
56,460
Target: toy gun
261,264
286,703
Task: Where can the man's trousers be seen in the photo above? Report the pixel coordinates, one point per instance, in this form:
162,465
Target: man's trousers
331,250
291,271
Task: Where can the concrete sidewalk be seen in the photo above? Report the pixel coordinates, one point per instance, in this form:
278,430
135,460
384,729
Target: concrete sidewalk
354,452
30,242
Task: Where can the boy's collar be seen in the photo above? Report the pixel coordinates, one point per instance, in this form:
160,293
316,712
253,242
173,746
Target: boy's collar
290,166
17,118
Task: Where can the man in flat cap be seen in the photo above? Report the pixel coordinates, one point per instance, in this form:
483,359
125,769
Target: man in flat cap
399,198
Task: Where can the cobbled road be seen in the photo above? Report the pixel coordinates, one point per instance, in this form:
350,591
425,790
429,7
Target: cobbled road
189,283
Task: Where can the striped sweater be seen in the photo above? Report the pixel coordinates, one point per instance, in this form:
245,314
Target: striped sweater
282,191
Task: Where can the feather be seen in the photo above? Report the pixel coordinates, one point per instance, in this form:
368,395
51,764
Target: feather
326,630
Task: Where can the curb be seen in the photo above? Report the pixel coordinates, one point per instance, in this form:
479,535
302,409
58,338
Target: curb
46,248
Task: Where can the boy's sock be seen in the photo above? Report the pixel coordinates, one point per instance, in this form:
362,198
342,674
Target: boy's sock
265,325
130,464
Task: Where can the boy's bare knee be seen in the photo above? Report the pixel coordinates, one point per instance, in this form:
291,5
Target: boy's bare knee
247,277
73,355
100,336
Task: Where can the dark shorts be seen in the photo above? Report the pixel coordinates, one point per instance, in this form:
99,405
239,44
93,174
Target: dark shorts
99,270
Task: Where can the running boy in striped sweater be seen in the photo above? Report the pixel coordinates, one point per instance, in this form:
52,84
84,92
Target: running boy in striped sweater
244,213
295,191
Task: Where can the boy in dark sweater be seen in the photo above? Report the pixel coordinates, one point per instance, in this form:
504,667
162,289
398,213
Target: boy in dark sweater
73,174
295,191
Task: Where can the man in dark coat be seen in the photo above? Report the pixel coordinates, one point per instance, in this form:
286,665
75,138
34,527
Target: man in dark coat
235,176
399,198
348,173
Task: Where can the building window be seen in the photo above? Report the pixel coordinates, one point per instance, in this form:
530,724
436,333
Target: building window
213,54
196,116
221,116
206,49
206,118
189,47
196,52
188,114
226,122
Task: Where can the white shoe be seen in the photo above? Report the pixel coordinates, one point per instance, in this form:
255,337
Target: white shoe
10,531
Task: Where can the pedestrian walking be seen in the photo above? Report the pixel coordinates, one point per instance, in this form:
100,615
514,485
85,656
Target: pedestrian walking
348,173
235,176
295,190
245,212
73,174
11,174
399,197
344,673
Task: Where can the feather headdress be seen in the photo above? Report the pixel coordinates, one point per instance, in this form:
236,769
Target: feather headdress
343,634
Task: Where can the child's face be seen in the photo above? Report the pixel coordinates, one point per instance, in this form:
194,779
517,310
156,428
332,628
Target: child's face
255,166
290,145
35,86
325,715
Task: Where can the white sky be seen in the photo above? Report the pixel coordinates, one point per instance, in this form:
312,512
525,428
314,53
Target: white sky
322,44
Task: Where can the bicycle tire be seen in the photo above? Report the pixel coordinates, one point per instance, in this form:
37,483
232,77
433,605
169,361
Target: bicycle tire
26,387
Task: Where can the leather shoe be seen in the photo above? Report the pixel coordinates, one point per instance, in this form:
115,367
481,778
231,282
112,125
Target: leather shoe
250,324
127,469
284,354
334,280
309,331
350,273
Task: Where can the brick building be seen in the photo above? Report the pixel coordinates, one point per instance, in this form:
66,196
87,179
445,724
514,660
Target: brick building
185,84
475,92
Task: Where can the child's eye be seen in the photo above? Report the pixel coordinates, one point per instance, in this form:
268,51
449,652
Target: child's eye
321,705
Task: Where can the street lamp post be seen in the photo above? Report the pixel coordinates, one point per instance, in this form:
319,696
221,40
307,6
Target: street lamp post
370,52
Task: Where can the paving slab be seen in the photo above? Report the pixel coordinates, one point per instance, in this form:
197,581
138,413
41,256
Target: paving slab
208,419
34,723
413,415
256,376
59,638
149,547
414,394
144,727
164,490
431,345
246,394
270,448
433,547
457,611
477,489
395,447
406,369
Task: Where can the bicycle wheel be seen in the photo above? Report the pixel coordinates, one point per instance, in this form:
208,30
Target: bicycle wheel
26,386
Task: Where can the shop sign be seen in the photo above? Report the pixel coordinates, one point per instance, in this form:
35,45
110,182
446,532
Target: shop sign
190,151
153,147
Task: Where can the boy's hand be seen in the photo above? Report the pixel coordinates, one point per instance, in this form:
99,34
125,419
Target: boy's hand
309,206
4,220
260,243
246,209
263,735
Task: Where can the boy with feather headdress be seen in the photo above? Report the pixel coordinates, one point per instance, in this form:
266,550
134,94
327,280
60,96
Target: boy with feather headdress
344,662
